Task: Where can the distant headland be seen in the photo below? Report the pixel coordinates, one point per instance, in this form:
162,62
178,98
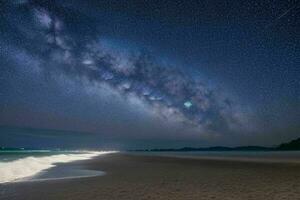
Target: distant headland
289,146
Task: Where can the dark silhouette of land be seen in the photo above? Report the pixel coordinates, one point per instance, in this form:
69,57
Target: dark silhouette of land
292,145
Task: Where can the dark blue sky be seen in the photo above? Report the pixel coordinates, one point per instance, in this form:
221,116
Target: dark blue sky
149,73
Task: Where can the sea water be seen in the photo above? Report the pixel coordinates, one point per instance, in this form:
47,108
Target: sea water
25,165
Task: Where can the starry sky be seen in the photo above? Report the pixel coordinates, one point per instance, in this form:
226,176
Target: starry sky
148,74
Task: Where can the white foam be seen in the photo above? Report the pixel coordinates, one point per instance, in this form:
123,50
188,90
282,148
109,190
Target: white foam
29,166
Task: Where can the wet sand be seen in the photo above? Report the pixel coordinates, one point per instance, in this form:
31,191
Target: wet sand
152,177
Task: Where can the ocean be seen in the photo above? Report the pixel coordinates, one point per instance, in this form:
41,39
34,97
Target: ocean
35,165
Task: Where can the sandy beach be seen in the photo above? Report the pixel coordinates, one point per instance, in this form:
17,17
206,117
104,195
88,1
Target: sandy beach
140,177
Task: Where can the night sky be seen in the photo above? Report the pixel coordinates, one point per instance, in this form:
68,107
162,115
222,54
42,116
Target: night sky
145,74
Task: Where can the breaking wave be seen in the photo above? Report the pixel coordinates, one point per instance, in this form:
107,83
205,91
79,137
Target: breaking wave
29,166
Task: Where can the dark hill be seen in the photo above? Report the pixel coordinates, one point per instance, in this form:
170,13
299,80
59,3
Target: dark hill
292,145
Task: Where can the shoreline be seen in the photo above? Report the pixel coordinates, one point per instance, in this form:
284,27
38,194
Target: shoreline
227,156
129,176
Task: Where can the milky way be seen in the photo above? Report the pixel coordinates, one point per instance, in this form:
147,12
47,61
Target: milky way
169,91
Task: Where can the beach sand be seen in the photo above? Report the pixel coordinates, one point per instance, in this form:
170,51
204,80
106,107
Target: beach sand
141,177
